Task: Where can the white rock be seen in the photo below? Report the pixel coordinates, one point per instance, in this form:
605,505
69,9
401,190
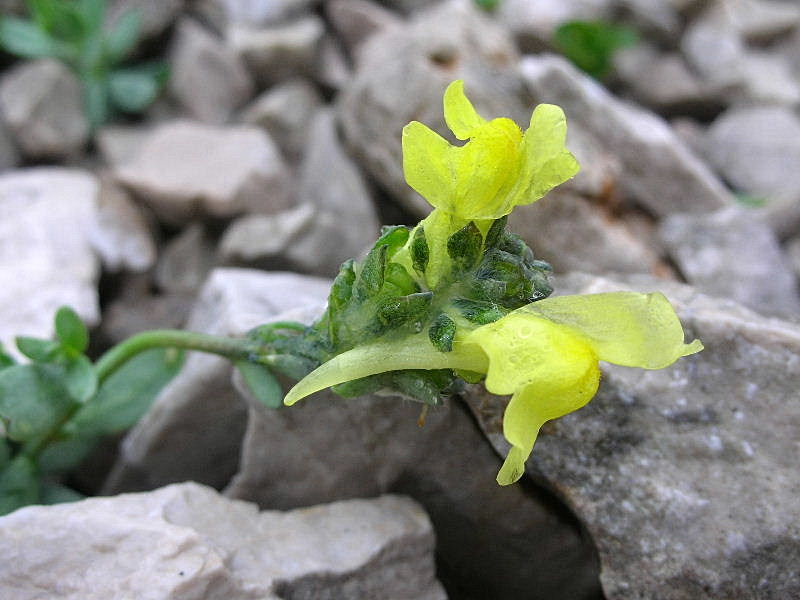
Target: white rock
356,20
278,52
46,258
207,78
42,105
157,15
232,302
120,233
185,167
658,171
119,144
187,542
257,13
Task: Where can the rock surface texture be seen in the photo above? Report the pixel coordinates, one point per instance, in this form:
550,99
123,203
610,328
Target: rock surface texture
187,542
46,258
685,477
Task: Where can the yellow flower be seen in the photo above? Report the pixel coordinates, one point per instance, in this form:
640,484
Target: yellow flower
497,169
546,354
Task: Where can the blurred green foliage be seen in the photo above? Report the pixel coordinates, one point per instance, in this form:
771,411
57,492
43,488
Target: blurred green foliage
591,45
77,33
488,4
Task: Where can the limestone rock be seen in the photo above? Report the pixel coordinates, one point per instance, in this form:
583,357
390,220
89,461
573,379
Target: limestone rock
757,149
157,15
258,13
683,476
185,261
332,69
207,78
121,234
733,254
46,259
42,104
285,111
185,168
186,541
200,408
659,172
119,144
356,20
402,75
571,233
278,52
9,156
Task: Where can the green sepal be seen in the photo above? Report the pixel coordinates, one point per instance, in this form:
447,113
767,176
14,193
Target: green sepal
339,297
394,237
360,387
464,247
399,311
37,349
471,376
442,333
426,386
19,485
262,383
419,250
370,278
293,366
33,400
514,244
495,232
479,312
70,330
398,281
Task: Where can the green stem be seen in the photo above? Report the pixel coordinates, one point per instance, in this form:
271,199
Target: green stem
235,349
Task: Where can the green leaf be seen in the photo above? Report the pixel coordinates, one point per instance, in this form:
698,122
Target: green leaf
405,309
5,453
496,231
394,236
132,90
6,360
62,20
464,246
66,454
420,253
262,383
479,312
127,394
487,5
80,378
442,333
33,400
123,36
293,366
23,38
92,12
95,96
71,330
591,45
37,349
55,493
19,485
401,282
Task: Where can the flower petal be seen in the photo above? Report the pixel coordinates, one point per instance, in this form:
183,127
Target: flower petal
459,113
427,165
625,328
534,405
546,162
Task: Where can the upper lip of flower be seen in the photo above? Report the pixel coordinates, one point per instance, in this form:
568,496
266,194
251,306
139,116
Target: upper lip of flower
497,169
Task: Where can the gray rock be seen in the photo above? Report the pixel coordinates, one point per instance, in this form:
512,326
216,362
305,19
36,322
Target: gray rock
684,476
733,254
200,408
757,150
207,78
137,309
257,13
356,20
119,144
186,541
332,68
328,448
121,234
658,171
278,52
185,168
185,261
572,233
157,15
402,75
42,104
285,112
534,23
46,259
762,21
336,221
9,157
793,252
654,18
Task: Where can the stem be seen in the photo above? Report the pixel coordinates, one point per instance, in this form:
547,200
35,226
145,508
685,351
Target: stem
235,349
